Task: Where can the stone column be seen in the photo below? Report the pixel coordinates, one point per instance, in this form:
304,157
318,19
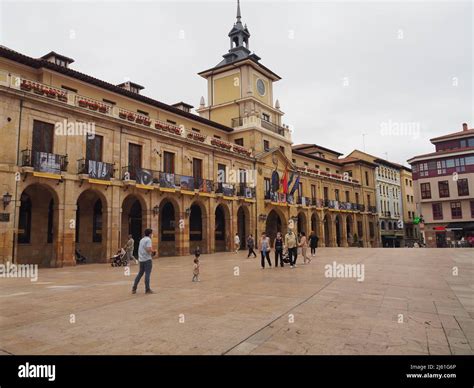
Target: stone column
344,231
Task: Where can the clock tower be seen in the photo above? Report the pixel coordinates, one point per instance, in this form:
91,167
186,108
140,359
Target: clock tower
240,95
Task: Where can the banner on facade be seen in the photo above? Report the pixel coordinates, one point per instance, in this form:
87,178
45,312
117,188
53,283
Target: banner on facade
46,162
99,170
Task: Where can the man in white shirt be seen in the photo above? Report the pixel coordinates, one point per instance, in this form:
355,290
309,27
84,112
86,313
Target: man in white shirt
236,242
145,256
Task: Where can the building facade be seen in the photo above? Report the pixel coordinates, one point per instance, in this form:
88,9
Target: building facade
388,199
444,190
90,162
411,229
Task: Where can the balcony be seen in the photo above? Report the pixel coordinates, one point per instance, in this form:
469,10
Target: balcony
185,182
95,169
44,161
140,175
373,209
256,121
386,214
246,191
303,201
226,189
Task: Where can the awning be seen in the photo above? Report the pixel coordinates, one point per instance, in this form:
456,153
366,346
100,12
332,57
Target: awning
460,226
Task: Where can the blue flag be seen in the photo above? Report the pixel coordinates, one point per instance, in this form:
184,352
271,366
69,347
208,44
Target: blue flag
295,186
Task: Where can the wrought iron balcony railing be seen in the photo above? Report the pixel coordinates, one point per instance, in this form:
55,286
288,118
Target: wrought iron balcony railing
44,161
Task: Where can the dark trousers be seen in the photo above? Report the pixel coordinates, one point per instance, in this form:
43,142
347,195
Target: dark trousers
278,254
292,255
251,252
145,268
266,255
313,250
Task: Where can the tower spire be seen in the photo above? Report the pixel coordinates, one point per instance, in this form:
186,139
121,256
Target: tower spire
239,16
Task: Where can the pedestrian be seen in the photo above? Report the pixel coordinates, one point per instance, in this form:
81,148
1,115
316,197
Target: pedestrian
313,243
304,248
236,242
129,247
251,246
265,250
145,258
291,243
196,267
278,245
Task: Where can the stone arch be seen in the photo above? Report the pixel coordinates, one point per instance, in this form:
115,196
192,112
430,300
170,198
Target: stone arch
327,226
38,226
276,222
243,224
169,231
134,219
91,226
338,229
222,228
198,227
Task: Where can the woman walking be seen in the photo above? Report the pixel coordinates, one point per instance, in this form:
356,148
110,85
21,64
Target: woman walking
278,245
313,243
265,250
236,243
304,248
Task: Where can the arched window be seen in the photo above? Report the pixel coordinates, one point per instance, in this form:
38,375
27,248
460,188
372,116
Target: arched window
24,222
97,222
382,225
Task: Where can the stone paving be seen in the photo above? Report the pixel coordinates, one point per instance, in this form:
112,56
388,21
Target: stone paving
408,303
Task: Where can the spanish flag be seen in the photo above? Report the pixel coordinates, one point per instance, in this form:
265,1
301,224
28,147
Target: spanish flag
284,182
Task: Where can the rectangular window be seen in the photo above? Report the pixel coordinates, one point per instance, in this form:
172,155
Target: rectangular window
326,193
368,200
94,148
134,155
357,198
42,137
463,187
197,169
443,187
239,142
348,197
425,191
472,209
366,178
198,130
168,162
68,88
266,145
437,211
456,211
441,167
109,101
336,194
423,169
265,117
371,230
267,183
221,173
360,230
408,198
142,112
313,191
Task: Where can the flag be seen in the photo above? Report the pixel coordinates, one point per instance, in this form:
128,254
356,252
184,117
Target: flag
291,180
284,182
295,186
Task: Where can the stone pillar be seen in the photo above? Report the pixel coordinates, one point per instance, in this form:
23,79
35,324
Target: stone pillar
344,242
332,225
211,225
321,235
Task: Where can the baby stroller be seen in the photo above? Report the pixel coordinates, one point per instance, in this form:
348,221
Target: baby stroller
119,259
80,259
286,257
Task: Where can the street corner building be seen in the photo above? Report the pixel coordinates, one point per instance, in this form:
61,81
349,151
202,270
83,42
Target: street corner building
85,163
444,188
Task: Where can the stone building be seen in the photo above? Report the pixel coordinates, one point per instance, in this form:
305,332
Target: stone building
444,187
85,163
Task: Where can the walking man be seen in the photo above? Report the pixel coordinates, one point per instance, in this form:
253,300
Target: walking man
129,246
291,243
265,250
145,255
251,246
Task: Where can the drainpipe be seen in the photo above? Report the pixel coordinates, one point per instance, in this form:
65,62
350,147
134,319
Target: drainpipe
16,184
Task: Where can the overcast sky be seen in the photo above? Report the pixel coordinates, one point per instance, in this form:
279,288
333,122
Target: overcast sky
401,73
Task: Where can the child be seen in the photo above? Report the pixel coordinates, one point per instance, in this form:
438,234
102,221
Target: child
197,253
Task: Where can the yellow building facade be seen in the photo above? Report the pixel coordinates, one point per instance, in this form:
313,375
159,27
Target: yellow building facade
85,163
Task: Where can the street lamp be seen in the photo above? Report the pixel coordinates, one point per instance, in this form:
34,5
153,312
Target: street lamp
7,198
156,210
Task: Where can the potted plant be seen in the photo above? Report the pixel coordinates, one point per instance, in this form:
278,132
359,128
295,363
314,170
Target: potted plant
25,85
139,120
93,106
50,93
38,89
62,97
122,115
83,103
147,122
130,117
103,109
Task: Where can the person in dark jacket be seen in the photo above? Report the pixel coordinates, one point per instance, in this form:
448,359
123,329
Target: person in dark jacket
251,246
313,243
278,245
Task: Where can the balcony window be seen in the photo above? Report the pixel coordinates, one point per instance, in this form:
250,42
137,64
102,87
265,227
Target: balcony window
456,211
239,142
443,187
425,191
168,162
437,211
463,187
266,117
266,145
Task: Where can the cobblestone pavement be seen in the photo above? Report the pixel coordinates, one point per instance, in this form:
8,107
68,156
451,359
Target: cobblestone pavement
408,303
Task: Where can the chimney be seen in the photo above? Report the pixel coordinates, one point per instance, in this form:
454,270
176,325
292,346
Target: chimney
464,126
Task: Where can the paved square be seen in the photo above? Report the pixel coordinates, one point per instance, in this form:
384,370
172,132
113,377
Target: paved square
271,311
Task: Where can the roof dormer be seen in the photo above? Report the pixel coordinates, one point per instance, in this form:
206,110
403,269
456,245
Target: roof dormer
58,59
131,86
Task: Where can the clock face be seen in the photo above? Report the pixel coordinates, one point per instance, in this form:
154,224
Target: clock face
261,87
